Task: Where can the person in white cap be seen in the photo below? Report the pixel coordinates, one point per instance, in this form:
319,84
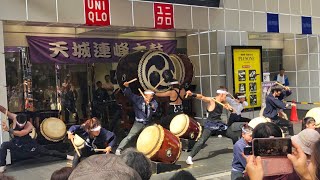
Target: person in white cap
213,122
176,95
144,108
306,140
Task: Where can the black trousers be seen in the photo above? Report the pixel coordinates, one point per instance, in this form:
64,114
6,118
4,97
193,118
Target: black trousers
284,123
237,118
28,150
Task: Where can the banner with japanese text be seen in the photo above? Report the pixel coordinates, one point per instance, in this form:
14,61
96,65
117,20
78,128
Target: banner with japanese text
90,50
247,73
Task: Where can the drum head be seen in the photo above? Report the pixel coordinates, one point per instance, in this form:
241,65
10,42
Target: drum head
78,141
150,140
254,122
33,134
53,129
179,124
315,113
149,67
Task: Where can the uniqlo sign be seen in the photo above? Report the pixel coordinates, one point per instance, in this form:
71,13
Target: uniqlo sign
97,12
163,16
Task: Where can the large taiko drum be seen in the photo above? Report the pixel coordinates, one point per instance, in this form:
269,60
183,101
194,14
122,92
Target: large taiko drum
159,144
186,127
315,113
184,69
53,129
255,121
149,67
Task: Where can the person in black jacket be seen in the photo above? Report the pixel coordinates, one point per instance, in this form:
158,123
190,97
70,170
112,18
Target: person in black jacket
273,105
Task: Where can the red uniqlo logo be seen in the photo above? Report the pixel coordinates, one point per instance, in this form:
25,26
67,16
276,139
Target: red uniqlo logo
97,12
163,16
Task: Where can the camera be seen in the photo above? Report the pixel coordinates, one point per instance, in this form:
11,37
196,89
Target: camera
272,147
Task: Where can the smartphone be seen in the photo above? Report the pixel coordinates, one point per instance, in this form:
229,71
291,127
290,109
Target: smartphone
247,150
267,147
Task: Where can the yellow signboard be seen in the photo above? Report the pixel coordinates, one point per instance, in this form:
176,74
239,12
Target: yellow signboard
247,73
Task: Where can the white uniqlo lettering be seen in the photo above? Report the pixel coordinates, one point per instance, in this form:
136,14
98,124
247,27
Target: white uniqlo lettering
160,17
168,19
95,16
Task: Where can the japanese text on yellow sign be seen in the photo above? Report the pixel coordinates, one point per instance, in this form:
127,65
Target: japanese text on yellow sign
247,74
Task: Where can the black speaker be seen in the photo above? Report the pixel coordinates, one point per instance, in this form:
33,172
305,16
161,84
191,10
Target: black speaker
113,77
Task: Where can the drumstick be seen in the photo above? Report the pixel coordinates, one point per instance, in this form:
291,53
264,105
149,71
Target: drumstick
97,150
6,115
75,147
231,96
282,85
221,104
158,84
133,80
5,119
141,93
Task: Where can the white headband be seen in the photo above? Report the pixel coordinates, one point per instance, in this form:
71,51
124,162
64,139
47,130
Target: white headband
96,128
219,91
243,96
174,82
148,92
246,131
21,124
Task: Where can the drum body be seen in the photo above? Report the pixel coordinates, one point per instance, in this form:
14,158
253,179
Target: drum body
159,144
186,127
149,67
53,129
184,69
315,113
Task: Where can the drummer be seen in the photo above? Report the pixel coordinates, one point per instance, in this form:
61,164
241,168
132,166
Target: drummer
273,105
144,108
22,144
213,122
95,136
238,104
176,95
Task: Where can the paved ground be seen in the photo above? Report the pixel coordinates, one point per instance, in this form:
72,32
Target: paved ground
213,162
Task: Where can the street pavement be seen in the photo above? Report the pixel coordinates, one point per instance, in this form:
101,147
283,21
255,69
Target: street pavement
212,162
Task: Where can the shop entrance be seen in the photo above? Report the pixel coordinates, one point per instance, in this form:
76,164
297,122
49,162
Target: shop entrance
75,90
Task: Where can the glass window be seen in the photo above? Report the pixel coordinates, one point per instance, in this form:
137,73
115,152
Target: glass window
14,81
44,87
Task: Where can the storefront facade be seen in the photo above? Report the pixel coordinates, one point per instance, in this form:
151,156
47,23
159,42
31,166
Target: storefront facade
201,32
